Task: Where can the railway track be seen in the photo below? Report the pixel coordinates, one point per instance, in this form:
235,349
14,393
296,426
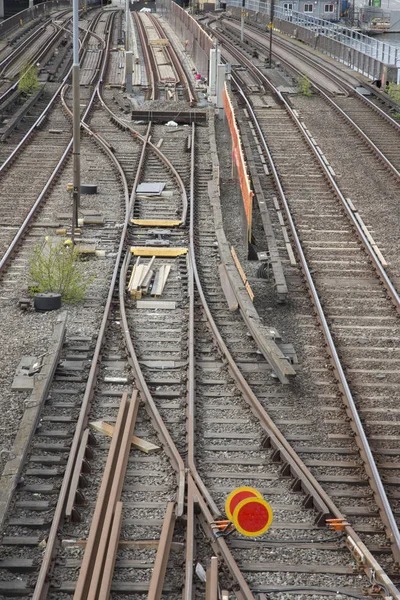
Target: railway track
333,278
39,48
63,411
191,360
364,186
49,138
163,67
354,106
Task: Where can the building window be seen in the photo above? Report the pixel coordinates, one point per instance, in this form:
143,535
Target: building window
308,8
288,6
328,8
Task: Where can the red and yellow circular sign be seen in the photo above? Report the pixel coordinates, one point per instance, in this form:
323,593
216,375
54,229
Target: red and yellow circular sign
235,497
252,516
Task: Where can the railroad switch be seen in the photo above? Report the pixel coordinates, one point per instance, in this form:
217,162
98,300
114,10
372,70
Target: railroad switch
337,524
222,528
158,237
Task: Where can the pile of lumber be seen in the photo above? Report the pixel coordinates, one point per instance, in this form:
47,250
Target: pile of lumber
142,277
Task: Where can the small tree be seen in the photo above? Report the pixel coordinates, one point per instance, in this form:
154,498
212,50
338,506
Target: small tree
305,86
28,82
394,92
57,268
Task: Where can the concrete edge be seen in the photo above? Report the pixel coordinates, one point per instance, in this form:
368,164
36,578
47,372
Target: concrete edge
264,340
276,262
33,408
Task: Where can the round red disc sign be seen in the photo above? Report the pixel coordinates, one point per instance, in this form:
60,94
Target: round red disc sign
252,516
239,494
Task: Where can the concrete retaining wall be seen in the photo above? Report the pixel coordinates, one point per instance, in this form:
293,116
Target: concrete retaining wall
187,28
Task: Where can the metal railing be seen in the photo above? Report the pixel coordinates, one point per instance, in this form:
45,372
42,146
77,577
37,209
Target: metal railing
362,53
29,14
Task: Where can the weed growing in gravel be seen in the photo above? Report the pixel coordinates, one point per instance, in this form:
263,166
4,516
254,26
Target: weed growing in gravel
59,269
29,82
393,90
305,86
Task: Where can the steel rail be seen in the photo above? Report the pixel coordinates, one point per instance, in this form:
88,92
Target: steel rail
378,489
158,423
42,116
52,540
35,58
90,574
379,154
342,81
22,230
218,543
321,499
147,60
388,284
19,50
157,151
163,554
190,405
191,96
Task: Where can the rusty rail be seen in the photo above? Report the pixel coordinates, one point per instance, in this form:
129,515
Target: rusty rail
42,581
362,442
97,545
347,88
212,580
191,96
151,406
163,552
24,227
124,125
147,60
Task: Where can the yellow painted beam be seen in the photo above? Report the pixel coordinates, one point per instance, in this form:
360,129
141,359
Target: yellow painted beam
155,223
157,251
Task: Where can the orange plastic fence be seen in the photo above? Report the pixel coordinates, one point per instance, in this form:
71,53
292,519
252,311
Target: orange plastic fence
240,162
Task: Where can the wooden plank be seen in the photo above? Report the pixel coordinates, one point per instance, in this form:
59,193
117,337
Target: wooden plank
157,251
159,42
156,222
291,255
379,255
137,442
238,265
146,271
242,274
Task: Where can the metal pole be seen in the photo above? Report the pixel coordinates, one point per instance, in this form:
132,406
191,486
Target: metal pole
76,118
127,16
242,21
271,26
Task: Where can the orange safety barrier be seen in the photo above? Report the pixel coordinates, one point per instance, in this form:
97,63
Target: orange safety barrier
240,162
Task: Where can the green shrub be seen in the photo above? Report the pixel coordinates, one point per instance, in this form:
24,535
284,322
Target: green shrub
305,86
393,90
57,268
28,83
